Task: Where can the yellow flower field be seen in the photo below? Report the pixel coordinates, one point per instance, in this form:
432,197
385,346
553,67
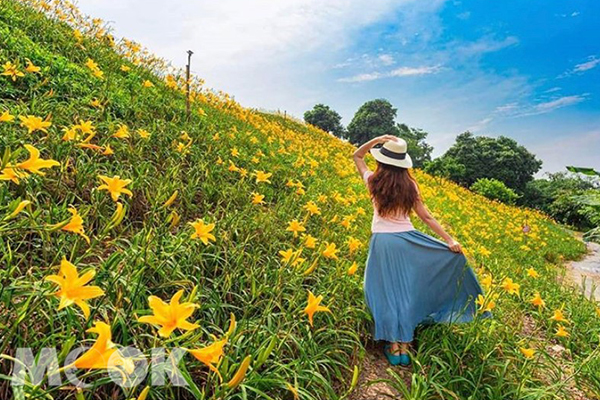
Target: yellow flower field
237,237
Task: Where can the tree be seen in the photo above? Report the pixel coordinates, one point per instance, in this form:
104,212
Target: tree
325,118
500,158
418,148
374,118
447,167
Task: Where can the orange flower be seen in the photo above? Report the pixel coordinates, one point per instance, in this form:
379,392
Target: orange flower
72,287
115,186
170,316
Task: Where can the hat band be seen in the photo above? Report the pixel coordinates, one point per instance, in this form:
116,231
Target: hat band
392,154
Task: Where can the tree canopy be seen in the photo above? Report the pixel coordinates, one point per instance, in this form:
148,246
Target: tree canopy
499,158
325,118
374,118
418,148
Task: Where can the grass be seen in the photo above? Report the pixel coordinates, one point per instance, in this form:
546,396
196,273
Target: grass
147,249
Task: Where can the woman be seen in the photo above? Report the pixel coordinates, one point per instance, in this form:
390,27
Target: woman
410,277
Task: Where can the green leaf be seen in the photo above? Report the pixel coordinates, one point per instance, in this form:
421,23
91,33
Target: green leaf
584,170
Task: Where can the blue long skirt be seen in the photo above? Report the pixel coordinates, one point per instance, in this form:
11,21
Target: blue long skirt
413,278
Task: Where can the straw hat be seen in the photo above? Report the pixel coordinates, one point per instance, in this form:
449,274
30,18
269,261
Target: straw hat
393,152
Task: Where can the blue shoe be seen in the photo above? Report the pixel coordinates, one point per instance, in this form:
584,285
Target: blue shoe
396,359
393,359
404,360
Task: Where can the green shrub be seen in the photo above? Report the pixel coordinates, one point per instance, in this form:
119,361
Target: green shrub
495,190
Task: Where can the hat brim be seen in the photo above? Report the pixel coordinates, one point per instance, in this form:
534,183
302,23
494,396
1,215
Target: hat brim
405,163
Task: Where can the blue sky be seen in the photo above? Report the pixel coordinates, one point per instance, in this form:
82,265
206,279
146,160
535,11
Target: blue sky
529,70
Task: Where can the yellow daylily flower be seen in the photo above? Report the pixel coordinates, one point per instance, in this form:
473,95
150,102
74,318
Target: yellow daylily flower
310,242
103,354
262,176
353,244
558,316
538,301
33,123
8,173
11,70
202,231
85,127
6,117
527,352
314,306
115,186
34,163
75,224
486,282
32,69
312,208
108,150
91,64
532,273
286,255
353,268
73,289
122,132
484,304
257,198
330,251
561,331
144,134
147,84
295,227
170,316
125,68
210,355
510,286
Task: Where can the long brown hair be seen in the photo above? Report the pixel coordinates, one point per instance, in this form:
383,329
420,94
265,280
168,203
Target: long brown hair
393,190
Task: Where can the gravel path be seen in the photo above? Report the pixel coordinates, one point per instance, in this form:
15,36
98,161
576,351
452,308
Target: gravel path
586,272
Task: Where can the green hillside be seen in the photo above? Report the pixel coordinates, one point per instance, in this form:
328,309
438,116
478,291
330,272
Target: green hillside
105,108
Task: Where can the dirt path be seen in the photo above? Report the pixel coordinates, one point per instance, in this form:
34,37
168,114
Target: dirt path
374,367
586,272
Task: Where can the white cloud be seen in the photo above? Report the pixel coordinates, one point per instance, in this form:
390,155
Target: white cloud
398,72
506,108
512,110
479,125
464,15
362,77
560,102
386,59
553,89
410,71
575,13
484,45
592,63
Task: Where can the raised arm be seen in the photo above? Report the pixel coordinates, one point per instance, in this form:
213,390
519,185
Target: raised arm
423,213
362,151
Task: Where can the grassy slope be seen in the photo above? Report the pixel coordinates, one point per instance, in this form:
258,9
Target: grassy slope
241,271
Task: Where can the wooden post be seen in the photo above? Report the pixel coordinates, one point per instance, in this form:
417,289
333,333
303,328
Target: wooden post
187,85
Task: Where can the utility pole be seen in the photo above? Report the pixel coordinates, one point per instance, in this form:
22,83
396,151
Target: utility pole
187,84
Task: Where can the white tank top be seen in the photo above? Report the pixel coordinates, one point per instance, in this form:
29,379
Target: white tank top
400,223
